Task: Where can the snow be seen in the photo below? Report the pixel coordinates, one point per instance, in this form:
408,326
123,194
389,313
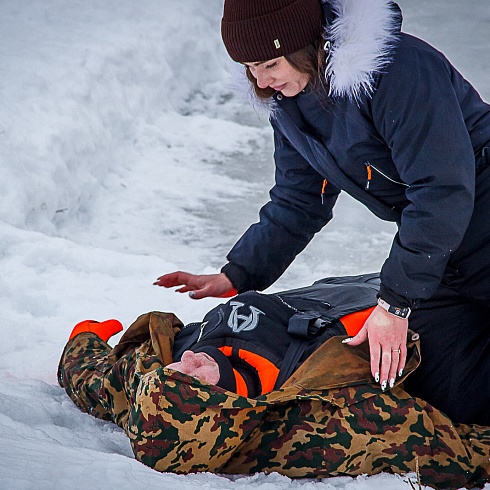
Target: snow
127,150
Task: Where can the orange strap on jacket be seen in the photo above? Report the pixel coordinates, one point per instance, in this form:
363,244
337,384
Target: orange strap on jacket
266,370
353,322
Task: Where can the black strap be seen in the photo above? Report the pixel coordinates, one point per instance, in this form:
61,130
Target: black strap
299,325
307,325
303,327
291,359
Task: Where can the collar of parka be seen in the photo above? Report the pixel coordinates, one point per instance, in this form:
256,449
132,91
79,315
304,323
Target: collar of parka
362,37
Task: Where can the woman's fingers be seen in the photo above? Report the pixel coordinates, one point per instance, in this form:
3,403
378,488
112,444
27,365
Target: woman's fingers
198,286
173,279
387,335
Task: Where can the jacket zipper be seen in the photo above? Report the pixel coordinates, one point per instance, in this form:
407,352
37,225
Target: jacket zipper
201,331
324,186
201,328
370,168
210,330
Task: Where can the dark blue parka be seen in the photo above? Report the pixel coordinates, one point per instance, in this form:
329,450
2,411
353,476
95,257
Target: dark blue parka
400,131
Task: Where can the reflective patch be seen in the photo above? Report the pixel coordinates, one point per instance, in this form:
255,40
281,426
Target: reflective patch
248,322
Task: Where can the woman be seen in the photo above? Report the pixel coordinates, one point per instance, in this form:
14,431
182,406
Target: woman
359,106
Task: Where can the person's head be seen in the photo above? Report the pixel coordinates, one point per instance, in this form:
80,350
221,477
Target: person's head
198,364
279,41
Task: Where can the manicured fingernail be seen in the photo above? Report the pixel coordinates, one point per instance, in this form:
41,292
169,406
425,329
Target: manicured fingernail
400,373
383,385
192,294
346,341
392,382
376,377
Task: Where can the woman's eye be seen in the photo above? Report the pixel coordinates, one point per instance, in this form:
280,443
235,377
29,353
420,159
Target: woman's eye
272,65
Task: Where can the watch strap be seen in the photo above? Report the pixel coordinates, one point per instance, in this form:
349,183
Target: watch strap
400,312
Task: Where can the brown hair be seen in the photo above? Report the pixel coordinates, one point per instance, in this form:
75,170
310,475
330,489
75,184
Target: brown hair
310,60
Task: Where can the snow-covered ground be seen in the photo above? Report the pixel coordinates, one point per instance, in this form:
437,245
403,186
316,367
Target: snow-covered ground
125,155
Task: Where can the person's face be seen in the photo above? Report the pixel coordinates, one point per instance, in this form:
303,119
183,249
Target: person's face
200,365
279,75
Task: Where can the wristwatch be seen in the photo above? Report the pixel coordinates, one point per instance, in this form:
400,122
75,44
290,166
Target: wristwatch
395,310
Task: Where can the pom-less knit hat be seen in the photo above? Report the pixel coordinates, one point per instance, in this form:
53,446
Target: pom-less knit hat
227,371
261,30
227,378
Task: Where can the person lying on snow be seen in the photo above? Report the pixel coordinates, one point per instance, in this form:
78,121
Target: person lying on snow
264,383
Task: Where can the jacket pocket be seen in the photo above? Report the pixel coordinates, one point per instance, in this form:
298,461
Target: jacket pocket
374,169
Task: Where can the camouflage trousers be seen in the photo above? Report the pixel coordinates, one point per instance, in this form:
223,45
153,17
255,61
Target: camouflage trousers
179,424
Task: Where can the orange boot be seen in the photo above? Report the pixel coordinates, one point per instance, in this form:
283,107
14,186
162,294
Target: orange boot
104,330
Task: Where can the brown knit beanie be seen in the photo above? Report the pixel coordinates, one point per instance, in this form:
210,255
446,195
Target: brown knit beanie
261,30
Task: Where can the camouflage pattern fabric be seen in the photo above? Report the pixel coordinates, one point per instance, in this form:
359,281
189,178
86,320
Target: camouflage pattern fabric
328,419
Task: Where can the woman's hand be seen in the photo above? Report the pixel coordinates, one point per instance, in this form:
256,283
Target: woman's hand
387,335
198,286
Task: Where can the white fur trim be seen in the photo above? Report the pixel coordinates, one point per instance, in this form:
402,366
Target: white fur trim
363,35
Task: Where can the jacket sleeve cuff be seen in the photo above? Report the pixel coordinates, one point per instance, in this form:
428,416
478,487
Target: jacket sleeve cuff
238,277
395,299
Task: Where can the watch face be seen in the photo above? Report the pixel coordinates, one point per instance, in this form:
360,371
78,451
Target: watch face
395,310
401,312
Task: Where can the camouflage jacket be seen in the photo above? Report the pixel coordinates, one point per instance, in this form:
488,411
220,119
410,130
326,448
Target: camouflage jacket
328,419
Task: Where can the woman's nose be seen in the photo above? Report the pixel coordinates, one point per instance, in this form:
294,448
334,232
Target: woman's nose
263,80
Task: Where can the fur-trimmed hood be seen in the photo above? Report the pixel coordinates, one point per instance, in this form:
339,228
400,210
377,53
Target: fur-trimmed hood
360,39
